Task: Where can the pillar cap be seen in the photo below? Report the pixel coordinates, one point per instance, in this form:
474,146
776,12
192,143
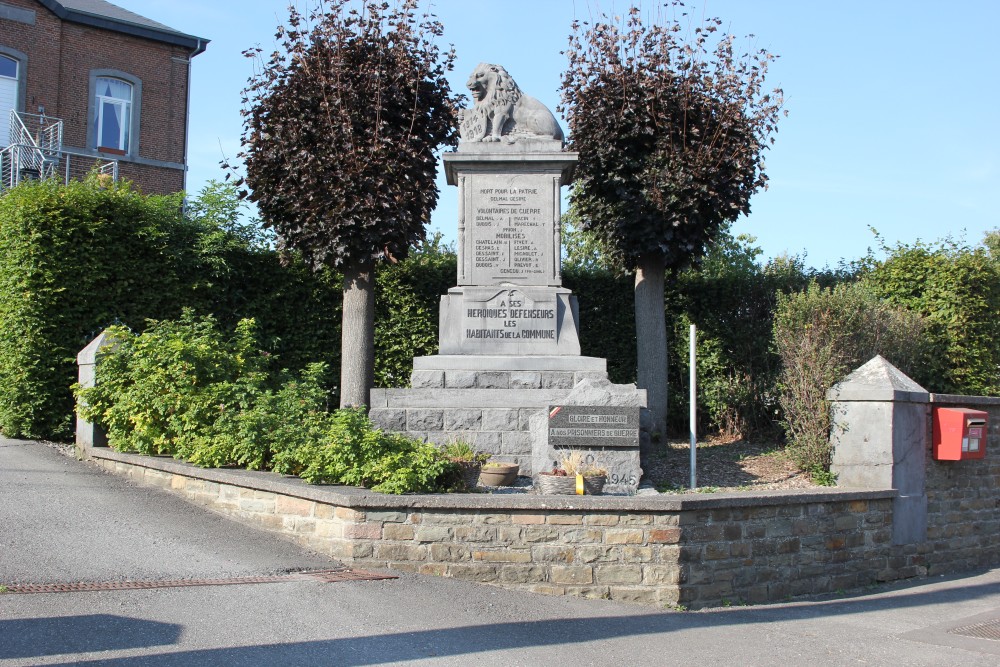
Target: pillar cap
878,380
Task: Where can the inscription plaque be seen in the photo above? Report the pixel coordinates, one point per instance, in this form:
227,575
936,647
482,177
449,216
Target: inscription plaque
587,426
509,231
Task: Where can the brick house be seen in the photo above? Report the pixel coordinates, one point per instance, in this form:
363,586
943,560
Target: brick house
92,83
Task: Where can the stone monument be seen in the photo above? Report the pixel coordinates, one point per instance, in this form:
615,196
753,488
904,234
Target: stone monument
509,332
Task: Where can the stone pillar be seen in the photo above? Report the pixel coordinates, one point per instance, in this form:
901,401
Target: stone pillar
879,439
90,435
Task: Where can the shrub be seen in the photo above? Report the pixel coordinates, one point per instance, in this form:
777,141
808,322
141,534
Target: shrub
185,389
822,334
354,452
732,298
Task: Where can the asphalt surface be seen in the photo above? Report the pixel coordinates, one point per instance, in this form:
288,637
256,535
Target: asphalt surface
65,521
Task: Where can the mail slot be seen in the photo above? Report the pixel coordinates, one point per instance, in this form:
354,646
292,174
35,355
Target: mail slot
959,433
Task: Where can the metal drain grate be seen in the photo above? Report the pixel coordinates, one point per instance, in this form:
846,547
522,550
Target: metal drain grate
325,576
987,630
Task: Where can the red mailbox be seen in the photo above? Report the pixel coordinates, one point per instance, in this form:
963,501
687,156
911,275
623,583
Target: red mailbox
959,433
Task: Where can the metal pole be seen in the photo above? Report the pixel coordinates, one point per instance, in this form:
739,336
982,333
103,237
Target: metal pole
693,402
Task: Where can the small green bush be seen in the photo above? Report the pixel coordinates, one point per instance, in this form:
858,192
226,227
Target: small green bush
821,335
184,388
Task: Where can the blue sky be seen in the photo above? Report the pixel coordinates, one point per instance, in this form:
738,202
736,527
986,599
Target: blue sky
894,107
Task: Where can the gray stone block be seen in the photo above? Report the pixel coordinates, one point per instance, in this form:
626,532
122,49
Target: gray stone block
487,362
440,438
516,443
500,419
388,419
863,476
494,319
472,398
460,379
488,441
557,380
525,380
603,392
524,418
909,519
421,379
463,419
424,420
579,376
492,380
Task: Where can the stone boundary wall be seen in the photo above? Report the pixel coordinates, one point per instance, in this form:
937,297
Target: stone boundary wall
696,551
963,498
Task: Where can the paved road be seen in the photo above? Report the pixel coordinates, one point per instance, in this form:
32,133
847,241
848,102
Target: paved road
65,521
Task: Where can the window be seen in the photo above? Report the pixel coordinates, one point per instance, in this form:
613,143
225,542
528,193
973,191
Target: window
114,113
8,95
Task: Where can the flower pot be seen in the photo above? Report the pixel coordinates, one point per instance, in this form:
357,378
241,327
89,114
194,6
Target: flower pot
594,485
504,474
470,473
552,485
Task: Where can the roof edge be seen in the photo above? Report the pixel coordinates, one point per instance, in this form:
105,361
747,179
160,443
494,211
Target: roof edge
195,44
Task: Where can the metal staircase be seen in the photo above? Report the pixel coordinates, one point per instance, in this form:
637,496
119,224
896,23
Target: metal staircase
36,152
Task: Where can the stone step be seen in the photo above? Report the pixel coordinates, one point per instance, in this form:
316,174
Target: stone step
466,398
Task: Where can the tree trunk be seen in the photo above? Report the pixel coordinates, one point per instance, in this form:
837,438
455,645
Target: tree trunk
651,337
357,335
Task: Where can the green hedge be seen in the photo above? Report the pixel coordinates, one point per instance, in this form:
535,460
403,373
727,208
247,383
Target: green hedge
75,259
957,289
81,257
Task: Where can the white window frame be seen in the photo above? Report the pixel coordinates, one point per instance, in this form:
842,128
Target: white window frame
131,113
124,114
21,61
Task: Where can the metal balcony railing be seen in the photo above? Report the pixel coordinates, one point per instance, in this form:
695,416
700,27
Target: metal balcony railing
36,152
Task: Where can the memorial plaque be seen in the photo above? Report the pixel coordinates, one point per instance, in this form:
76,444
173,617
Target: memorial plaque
588,426
510,233
605,436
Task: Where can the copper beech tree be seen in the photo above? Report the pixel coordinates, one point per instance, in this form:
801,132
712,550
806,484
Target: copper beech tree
341,125
671,125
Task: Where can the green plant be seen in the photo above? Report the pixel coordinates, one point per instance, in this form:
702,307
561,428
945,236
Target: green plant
3,589
575,463
823,477
707,489
459,450
669,487
956,288
77,258
356,453
821,335
496,464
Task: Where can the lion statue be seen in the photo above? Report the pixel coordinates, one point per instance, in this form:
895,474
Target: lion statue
501,112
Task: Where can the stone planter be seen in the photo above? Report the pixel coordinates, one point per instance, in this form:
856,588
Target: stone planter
503,474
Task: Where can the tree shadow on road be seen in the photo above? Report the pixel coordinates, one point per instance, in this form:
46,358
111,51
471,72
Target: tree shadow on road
36,637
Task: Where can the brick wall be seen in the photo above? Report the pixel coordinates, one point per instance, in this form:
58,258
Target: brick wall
60,59
665,550
963,499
